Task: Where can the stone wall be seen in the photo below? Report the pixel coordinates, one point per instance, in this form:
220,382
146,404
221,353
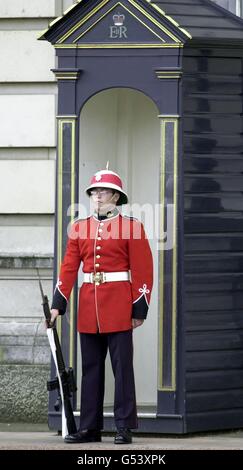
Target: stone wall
28,97
24,349
23,395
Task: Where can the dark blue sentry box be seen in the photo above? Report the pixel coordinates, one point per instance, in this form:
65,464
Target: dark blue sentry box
186,57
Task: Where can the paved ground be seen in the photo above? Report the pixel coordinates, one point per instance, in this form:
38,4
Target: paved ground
31,437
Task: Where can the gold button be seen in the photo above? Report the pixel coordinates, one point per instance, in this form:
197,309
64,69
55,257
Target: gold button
98,247
100,230
98,256
101,224
99,238
97,265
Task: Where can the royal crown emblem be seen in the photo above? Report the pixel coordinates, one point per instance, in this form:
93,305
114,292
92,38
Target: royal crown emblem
118,19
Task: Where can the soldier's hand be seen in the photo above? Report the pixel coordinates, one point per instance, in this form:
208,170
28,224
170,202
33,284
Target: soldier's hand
54,315
136,322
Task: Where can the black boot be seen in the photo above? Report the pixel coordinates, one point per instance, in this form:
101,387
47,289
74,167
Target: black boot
88,435
123,436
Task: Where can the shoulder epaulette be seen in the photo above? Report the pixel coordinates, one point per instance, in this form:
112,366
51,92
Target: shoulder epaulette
129,217
80,219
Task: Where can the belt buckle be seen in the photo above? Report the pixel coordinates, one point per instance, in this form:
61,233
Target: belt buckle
98,278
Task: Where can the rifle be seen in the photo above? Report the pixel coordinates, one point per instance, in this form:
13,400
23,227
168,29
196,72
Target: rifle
64,382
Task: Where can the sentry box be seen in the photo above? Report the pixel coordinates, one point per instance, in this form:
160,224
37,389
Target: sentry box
156,89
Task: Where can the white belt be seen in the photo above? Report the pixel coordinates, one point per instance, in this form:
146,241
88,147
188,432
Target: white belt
100,277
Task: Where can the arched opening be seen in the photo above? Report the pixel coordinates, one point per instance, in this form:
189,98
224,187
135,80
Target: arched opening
121,125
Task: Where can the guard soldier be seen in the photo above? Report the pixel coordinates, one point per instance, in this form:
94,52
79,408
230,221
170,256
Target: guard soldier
113,299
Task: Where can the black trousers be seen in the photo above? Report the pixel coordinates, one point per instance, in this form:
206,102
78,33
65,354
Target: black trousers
93,350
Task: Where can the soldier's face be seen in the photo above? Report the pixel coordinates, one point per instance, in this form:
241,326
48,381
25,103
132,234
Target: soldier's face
102,197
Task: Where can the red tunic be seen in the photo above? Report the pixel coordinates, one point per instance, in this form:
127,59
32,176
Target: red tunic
114,244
